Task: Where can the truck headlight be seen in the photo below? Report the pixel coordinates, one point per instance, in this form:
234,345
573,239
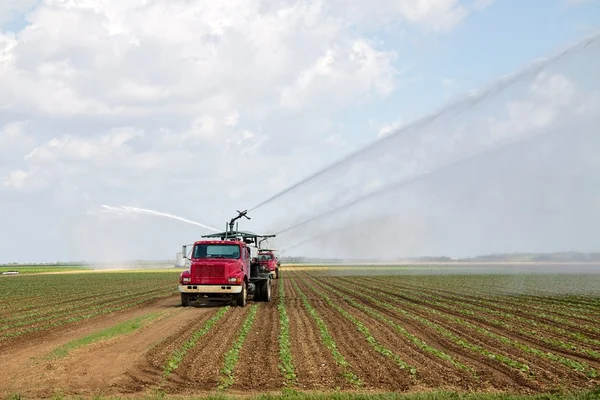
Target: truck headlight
235,280
185,280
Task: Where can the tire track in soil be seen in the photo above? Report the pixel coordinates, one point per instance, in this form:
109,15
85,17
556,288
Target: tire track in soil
200,369
526,340
549,374
315,367
257,368
23,370
375,370
493,374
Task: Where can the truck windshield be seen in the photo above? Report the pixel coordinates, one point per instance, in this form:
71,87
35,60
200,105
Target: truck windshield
265,257
217,251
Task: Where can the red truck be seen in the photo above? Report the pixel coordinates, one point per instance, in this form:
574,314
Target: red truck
225,267
268,258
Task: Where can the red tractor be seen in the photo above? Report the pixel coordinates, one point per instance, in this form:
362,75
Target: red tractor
225,267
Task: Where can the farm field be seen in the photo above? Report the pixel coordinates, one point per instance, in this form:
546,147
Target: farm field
125,334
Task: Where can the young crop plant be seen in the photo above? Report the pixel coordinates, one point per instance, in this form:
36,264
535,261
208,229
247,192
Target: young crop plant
177,356
414,339
328,339
579,366
286,364
233,354
478,312
443,331
367,334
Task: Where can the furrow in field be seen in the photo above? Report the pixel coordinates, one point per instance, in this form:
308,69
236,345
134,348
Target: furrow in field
377,366
201,367
516,328
495,370
348,371
259,357
516,311
540,370
315,367
553,367
555,338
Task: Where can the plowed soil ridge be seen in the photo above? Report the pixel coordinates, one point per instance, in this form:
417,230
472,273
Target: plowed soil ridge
257,367
315,366
200,369
548,373
493,375
485,323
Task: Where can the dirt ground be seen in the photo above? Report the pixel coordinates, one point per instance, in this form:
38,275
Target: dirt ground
132,364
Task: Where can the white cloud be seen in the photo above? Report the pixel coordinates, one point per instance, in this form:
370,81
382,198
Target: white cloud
188,104
14,137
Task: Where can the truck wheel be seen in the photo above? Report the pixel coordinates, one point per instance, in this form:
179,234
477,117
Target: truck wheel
242,297
267,291
185,300
258,293
276,273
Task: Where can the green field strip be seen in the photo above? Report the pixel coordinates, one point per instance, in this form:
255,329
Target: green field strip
578,366
466,309
511,304
286,362
233,354
177,356
40,316
120,329
328,339
478,284
73,319
384,351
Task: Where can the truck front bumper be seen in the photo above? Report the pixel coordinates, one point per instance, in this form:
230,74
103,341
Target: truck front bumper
225,289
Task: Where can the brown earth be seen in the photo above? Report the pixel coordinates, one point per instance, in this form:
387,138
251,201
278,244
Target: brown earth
548,374
481,319
132,364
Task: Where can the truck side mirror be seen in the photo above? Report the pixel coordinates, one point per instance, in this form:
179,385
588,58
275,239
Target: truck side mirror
184,251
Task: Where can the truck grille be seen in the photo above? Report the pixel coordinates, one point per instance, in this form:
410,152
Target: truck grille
210,271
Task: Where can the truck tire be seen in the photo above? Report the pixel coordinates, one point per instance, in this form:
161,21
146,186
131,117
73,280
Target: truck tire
185,300
267,291
242,297
258,292
276,273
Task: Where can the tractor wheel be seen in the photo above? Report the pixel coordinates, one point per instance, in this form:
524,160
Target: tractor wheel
242,297
185,300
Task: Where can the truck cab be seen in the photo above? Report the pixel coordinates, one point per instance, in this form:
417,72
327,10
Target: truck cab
270,261
219,270
225,267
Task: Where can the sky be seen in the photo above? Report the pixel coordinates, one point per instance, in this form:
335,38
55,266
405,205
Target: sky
198,108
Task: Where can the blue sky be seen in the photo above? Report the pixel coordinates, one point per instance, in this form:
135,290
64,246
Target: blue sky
197,109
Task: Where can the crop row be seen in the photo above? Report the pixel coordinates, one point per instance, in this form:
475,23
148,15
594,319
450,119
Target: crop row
460,341
578,366
366,333
327,339
482,314
545,307
86,313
